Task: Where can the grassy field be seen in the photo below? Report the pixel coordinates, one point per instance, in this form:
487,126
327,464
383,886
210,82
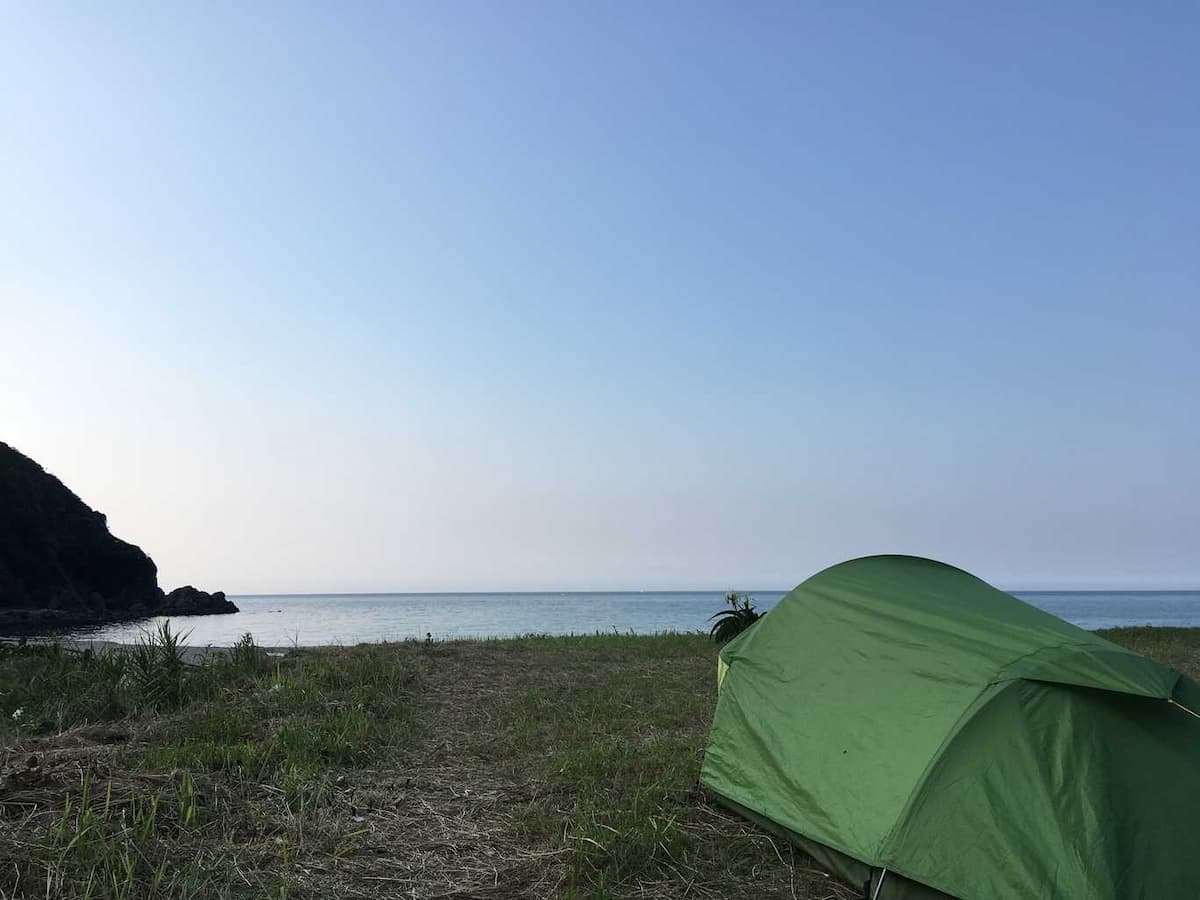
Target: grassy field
539,767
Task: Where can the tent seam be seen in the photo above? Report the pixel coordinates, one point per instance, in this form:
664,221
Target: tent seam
1083,645
996,679
969,711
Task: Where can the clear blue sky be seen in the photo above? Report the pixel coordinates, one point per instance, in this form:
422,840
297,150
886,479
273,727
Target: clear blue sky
620,295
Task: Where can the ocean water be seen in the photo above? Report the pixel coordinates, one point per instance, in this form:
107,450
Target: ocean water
309,619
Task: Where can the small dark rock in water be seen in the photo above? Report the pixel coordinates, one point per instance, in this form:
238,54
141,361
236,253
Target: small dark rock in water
189,601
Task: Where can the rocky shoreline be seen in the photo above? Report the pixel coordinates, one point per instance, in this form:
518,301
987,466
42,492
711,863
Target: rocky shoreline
184,601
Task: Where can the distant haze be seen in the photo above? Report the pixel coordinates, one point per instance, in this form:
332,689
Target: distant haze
548,296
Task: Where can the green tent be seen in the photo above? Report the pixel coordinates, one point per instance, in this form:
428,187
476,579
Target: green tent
927,735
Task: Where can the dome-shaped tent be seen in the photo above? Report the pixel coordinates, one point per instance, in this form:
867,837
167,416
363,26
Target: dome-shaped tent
915,728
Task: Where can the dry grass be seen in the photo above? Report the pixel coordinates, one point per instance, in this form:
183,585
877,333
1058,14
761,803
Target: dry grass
540,767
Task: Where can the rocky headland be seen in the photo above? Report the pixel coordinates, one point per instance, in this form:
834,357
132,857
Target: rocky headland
61,566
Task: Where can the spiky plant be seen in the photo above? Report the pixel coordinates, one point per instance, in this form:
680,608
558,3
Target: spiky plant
157,670
733,621
243,656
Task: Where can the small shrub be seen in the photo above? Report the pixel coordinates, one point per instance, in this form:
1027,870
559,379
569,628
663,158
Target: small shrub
733,621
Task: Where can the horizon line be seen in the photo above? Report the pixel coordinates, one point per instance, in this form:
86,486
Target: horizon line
593,591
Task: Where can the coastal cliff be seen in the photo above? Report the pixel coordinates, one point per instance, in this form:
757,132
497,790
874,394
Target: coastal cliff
60,565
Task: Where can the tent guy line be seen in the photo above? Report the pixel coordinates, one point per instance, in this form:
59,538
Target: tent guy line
1175,702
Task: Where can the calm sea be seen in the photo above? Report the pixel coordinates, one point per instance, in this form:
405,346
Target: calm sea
308,619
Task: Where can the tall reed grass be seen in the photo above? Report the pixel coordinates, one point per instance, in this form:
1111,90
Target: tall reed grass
46,688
